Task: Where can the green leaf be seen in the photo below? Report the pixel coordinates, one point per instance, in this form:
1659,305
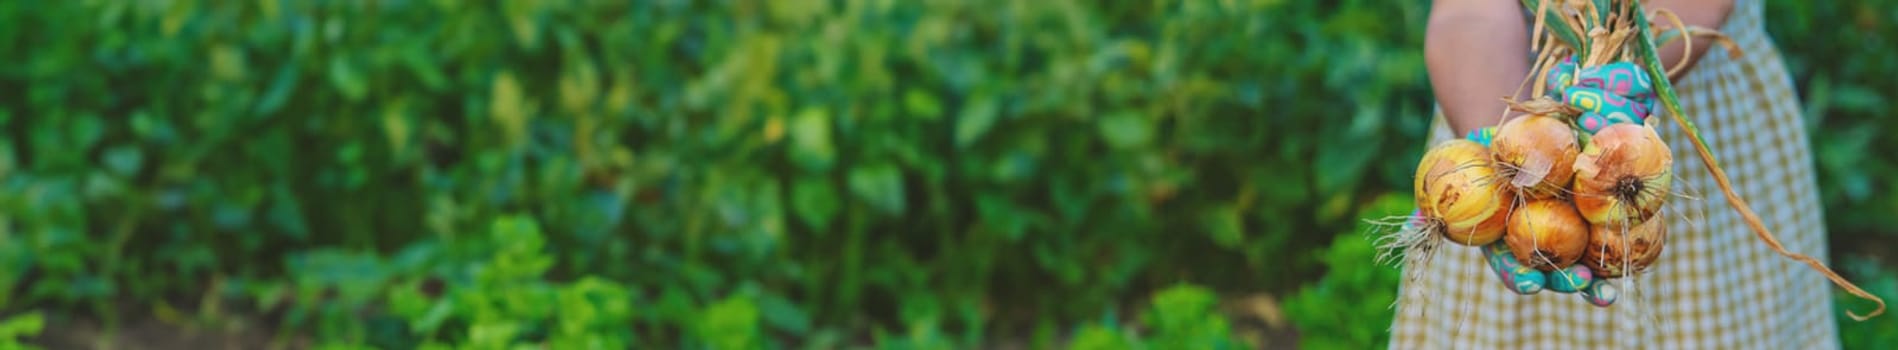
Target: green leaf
922,104
124,160
1001,215
1339,167
1182,306
767,202
21,325
1125,129
1225,225
87,130
920,308
810,140
783,314
493,334
1184,317
281,88
730,324
1845,151
815,202
881,186
1070,202
227,62
406,300
1101,337
1602,9
1856,98
975,120
508,107
420,61
1552,20
347,79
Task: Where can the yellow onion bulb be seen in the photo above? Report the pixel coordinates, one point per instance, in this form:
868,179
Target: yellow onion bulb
1458,192
1623,175
1486,231
1535,155
1615,252
1546,234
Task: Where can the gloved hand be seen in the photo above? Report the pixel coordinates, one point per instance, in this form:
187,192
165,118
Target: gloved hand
1619,92
1525,280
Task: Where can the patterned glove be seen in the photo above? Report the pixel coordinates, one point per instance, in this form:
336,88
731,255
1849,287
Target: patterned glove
1607,94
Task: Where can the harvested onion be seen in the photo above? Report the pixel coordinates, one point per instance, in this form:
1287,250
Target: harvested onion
1536,153
1616,252
1622,176
1459,195
1546,234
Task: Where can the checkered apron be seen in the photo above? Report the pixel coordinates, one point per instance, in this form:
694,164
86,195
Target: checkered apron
1716,285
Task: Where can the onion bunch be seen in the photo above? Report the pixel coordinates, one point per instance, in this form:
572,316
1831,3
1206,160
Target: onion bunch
1549,192
1561,197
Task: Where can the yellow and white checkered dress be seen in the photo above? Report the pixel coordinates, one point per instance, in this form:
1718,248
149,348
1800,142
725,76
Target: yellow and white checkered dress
1716,286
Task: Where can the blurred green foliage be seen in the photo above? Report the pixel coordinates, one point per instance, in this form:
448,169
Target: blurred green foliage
1879,279
1844,105
1334,308
745,174
1839,53
13,329
1182,316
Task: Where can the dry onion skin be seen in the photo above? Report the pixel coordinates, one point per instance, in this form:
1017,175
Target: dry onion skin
1615,252
1622,176
1546,234
1459,194
1535,155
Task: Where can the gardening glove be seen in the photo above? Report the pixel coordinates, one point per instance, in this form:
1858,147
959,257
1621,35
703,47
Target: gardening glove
1525,280
1608,94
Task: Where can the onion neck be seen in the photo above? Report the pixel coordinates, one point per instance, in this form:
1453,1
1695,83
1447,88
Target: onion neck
1629,188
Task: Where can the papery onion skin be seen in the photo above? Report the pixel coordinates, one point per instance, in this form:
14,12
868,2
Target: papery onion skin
1615,252
1623,176
1533,145
1546,234
1458,190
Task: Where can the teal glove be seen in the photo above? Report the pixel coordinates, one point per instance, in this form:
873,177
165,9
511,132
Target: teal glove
1524,280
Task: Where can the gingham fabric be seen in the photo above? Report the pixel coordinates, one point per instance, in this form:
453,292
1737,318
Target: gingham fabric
1716,285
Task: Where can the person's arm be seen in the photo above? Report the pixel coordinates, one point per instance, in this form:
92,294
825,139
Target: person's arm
1476,52
1710,14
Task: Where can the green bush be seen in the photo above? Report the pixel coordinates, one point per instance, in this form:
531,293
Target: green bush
1837,52
505,301
1352,306
739,174
976,167
14,328
1186,317
1182,316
